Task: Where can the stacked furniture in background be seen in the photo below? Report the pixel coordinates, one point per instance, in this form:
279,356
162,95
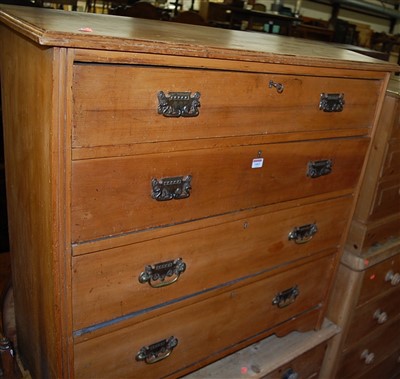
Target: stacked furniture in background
366,296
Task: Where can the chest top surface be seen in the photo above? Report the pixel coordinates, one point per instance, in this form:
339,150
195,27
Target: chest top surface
50,27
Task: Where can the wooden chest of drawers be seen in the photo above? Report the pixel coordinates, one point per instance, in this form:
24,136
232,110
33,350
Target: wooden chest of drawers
365,301
176,193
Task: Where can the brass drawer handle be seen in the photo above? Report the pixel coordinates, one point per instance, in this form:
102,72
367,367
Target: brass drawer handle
393,278
331,102
155,275
380,317
279,86
303,234
367,357
286,297
315,169
157,351
178,104
177,187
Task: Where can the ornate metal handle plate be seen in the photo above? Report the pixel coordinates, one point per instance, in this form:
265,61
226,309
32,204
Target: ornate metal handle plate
290,374
157,351
177,187
155,275
303,234
178,104
316,169
286,297
331,102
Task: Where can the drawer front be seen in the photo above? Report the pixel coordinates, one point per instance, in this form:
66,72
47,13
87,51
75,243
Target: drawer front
389,368
391,164
367,354
113,283
119,104
115,195
379,278
387,199
204,328
374,315
393,108
305,366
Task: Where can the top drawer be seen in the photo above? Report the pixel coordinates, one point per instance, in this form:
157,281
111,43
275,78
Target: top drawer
119,104
379,278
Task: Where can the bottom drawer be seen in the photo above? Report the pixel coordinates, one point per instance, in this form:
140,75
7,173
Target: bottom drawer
374,315
370,352
305,366
388,369
206,328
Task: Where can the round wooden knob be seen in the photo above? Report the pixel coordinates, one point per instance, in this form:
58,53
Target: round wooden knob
367,357
393,278
380,317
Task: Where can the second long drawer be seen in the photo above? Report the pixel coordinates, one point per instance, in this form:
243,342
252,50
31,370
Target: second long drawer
122,194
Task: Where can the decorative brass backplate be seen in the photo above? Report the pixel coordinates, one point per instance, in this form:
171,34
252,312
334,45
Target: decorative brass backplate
177,187
156,274
286,297
157,351
316,169
178,104
303,234
331,102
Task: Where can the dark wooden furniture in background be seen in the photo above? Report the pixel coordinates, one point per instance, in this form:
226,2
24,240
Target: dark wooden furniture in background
233,18
141,9
366,296
4,243
224,164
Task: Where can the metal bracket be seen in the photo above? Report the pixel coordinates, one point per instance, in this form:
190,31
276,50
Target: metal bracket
331,102
286,297
316,169
177,187
157,351
178,104
160,271
303,234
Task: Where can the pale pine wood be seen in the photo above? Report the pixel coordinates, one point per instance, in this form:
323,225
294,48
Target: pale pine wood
53,27
272,356
106,200
30,119
377,215
129,113
106,284
98,356
60,187
372,250
131,238
117,57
